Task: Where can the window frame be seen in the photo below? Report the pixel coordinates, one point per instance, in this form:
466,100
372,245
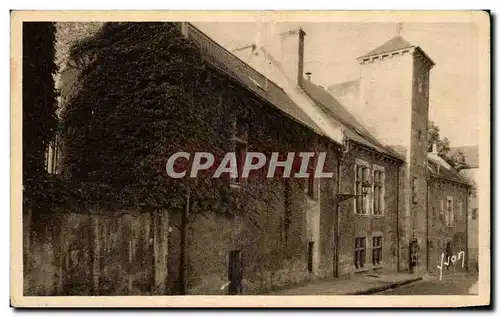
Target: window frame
380,197
365,200
360,250
450,221
377,249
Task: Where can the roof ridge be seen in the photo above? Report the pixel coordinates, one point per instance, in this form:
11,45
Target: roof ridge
394,44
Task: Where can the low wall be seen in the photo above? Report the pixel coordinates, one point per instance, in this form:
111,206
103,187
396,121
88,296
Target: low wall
95,253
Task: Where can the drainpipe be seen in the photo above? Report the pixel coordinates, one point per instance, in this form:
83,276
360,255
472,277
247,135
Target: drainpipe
427,229
398,253
467,229
337,216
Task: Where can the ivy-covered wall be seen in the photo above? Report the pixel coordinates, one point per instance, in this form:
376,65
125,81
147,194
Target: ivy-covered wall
275,222
144,92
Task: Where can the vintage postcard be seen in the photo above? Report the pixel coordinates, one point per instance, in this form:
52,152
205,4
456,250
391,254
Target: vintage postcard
250,159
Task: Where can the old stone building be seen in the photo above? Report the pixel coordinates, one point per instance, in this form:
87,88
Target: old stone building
471,172
383,117
289,241
447,219
288,230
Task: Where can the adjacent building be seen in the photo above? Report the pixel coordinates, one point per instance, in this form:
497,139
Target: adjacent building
471,172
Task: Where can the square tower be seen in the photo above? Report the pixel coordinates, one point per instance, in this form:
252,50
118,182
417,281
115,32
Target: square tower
394,102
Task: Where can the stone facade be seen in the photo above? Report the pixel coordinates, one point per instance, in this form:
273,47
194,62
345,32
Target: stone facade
447,214
394,92
95,253
285,238
354,225
294,230
472,174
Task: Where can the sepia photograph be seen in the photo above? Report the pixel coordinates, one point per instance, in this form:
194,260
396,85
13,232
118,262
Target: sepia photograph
166,157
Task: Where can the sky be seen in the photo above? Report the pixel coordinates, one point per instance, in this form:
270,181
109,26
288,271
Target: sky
331,50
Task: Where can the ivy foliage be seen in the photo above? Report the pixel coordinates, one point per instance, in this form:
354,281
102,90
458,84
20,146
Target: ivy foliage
456,160
39,95
40,122
144,93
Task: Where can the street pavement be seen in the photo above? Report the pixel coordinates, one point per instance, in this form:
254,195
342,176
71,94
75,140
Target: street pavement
456,284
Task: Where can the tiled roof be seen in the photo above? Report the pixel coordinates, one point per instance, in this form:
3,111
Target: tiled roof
344,86
248,77
471,153
443,172
393,44
354,129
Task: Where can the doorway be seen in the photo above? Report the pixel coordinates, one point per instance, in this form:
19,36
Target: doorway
235,272
310,255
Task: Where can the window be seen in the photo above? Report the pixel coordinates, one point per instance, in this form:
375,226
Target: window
450,217
378,191
361,175
51,157
460,209
377,250
414,190
359,252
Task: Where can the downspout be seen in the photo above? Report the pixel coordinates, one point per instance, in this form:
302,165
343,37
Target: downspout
467,230
398,253
337,216
427,228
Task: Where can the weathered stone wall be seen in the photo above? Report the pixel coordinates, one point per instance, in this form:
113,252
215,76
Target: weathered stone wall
272,257
418,163
353,225
95,253
473,225
439,232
